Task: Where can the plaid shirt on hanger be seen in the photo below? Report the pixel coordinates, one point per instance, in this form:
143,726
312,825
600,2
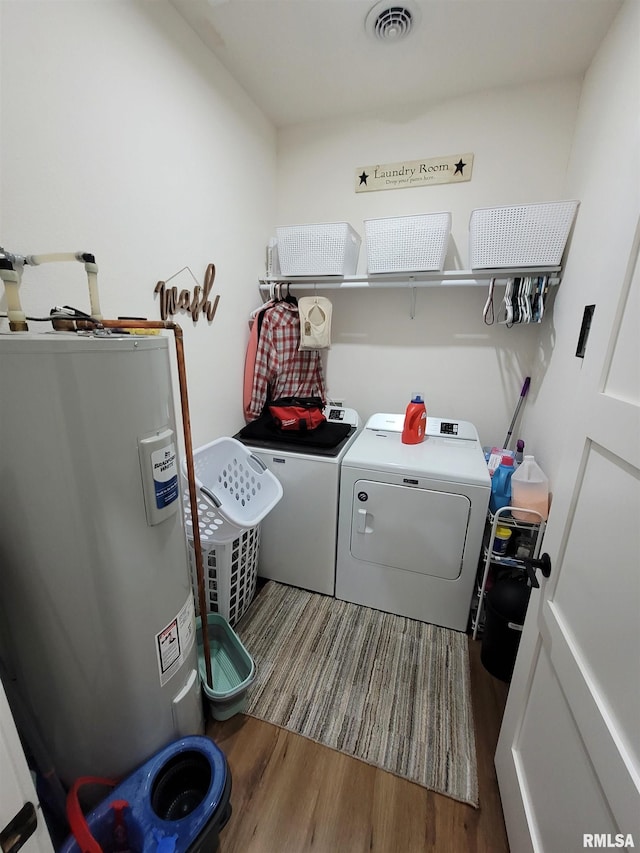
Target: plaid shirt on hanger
281,370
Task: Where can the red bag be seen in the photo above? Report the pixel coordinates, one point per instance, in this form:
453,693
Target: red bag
298,414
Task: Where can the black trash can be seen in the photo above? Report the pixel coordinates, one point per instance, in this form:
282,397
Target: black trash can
505,609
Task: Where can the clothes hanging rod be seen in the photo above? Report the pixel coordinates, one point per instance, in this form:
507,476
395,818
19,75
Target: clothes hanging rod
447,278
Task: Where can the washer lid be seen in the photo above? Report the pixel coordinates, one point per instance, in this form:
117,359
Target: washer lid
385,421
451,451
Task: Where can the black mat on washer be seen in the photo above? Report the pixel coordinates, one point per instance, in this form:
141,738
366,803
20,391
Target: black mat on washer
326,435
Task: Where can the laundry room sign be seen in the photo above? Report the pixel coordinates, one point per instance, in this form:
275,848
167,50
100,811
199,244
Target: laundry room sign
451,169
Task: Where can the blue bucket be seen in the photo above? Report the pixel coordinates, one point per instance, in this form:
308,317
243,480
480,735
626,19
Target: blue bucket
176,802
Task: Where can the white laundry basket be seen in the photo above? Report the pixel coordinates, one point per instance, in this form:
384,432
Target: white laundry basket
235,484
230,568
235,492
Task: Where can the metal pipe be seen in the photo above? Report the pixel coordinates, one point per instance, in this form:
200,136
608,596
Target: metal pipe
188,447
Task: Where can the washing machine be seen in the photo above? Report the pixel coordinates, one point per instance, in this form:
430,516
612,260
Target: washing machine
411,520
298,538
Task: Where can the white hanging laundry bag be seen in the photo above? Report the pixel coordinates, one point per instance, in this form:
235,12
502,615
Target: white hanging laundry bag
315,322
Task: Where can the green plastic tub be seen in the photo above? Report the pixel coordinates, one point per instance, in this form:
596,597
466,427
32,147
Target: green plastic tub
232,668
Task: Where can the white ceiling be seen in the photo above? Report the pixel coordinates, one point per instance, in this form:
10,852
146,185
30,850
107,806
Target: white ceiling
302,60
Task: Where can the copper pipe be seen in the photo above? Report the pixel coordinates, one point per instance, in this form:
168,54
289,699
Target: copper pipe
188,449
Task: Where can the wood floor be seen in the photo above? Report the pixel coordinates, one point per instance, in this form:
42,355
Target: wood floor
291,795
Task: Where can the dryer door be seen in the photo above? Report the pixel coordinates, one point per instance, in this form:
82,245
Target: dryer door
418,530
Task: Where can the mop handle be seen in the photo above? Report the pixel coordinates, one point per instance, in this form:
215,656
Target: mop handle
523,394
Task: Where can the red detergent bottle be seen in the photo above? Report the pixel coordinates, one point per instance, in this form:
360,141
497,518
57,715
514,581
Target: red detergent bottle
415,421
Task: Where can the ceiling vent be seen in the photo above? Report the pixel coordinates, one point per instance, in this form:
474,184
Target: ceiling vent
391,23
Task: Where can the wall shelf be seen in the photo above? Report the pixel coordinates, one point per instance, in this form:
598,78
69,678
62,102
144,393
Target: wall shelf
446,278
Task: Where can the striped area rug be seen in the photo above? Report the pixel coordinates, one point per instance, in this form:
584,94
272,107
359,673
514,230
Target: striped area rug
388,690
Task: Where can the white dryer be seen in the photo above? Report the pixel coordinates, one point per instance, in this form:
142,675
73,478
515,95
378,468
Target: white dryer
411,520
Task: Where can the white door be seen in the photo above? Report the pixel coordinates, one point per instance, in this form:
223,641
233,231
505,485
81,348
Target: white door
568,756
18,799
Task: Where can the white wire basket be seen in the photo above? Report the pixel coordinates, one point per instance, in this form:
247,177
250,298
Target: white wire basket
233,485
330,248
520,235
407,243
230,568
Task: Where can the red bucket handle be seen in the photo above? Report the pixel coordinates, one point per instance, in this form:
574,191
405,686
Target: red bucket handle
77,822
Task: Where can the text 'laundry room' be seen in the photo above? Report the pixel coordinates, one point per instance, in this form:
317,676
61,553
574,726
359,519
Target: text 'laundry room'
319,426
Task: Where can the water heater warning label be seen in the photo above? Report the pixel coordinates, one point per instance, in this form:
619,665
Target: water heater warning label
175,640
165,475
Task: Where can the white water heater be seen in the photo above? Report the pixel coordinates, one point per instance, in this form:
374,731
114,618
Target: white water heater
96,606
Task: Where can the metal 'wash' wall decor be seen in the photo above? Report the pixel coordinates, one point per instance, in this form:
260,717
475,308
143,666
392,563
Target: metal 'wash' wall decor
196,301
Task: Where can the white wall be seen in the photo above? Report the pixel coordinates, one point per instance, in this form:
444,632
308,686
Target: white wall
604,172
124,137
521,139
